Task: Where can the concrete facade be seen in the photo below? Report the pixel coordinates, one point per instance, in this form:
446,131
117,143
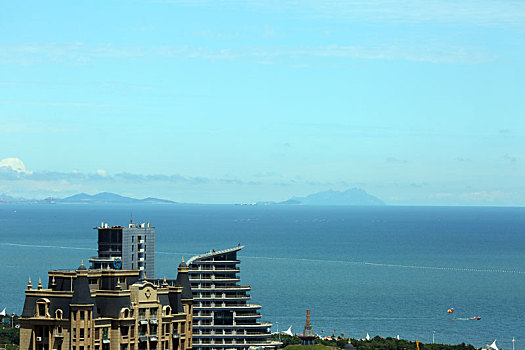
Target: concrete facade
128,248
223,317
138,249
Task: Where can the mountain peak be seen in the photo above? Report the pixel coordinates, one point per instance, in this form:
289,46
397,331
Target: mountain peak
109,198
352,196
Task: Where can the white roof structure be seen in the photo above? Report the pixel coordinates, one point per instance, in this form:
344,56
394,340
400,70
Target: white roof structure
288,331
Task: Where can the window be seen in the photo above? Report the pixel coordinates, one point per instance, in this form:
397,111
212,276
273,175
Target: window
223,317
167,310
42,310
81,315
97,333
81,333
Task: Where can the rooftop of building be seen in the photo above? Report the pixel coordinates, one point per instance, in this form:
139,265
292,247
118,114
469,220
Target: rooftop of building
213,253
107,290
105,225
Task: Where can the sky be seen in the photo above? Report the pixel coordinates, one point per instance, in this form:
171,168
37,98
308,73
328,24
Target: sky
229,101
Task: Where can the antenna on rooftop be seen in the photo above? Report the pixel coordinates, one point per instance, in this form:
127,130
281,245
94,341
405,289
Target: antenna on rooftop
131,217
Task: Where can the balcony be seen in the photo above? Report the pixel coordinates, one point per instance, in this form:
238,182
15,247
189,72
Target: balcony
220,297
199,287
254,315
226,306
216,344
213,269
213,261
214,279
234,326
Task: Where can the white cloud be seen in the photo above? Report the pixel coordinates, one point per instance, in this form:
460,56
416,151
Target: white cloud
102,172
14,164
76,53
500,13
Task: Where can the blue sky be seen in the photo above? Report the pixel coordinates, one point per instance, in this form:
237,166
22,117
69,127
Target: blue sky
416,102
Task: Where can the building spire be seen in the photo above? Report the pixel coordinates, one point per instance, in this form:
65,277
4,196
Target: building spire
164,283
39,284
29,286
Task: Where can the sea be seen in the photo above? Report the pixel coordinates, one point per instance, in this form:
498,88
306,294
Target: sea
384,271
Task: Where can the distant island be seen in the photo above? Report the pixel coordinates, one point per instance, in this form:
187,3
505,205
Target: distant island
353,196
84,198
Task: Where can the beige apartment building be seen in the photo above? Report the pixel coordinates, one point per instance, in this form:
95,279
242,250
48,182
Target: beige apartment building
107,309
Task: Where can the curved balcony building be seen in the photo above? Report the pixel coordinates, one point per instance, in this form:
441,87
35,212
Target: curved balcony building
223,317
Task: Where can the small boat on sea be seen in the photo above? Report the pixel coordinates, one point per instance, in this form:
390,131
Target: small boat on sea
475,318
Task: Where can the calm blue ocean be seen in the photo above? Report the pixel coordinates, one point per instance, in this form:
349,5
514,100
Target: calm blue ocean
383,270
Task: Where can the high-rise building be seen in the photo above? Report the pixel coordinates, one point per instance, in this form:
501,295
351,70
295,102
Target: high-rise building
106,309
223,318
128,248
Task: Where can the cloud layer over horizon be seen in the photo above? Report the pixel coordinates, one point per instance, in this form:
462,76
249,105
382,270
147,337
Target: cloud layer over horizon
17,181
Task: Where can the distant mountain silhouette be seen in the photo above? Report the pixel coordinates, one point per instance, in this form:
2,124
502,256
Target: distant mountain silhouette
109,198
353,196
